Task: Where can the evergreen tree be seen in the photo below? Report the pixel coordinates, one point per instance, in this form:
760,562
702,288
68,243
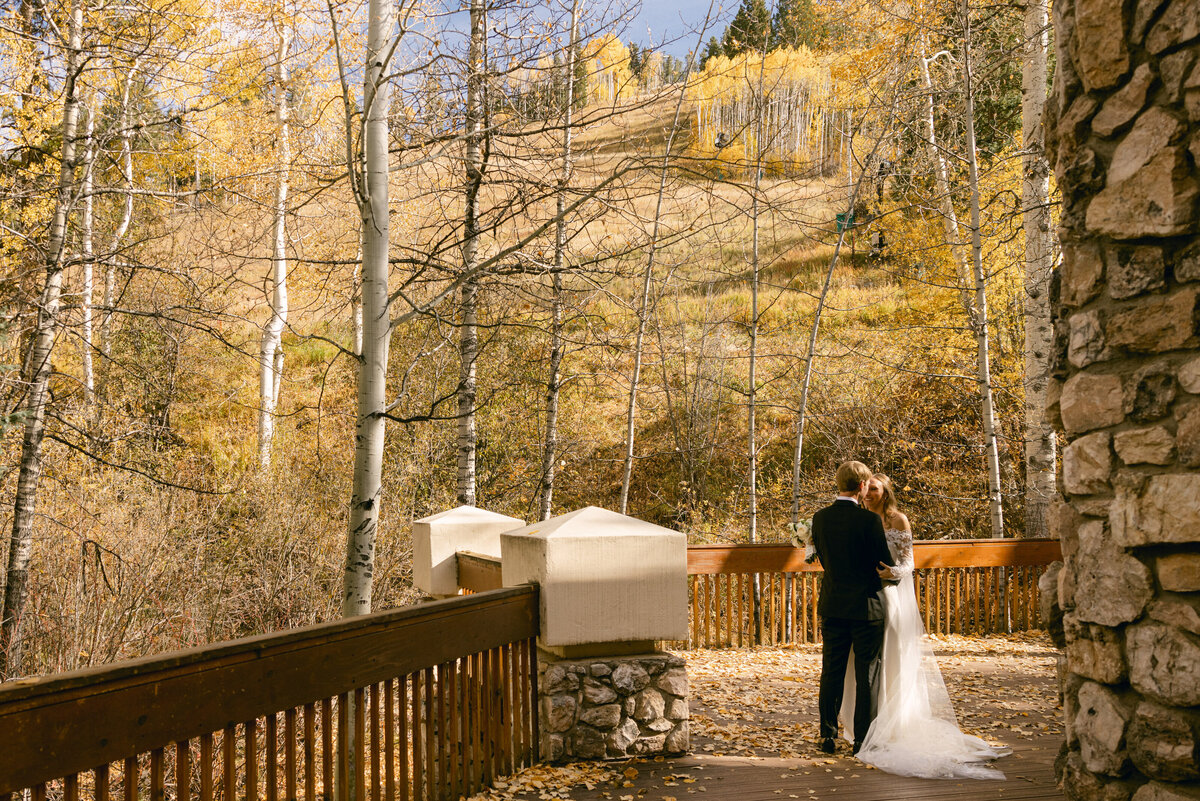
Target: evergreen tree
636,60
750,29
712,50
579,98
796,24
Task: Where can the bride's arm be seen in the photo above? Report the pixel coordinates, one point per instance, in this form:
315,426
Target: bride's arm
904,551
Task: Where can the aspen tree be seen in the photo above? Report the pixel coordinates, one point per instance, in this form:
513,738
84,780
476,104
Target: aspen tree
271,352
553,383
16,587
1040,442
469,292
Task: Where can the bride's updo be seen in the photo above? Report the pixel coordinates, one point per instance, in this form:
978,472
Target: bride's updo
889,507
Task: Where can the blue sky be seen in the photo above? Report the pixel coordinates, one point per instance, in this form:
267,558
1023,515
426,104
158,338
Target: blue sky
669,20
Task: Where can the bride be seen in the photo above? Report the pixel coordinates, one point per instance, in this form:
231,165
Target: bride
915,732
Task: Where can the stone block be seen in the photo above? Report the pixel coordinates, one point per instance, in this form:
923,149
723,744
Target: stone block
1153,445
1179,23
1082,273
648,705
1095,652
1162,743
437,538
588,743
1085,342
1087,463
1048,604
655,744
1154,791
593,559
1156,324
558,712
677,740
602,717
1090,401
677,710
1159,199
1174,70
630,678
1134,270
1166,511
1150,135
1098,46
559,678
1111,587
1180,612
1124,104
1179,572
1164,663
674,682
1152,392
1066,588
1187,262
623,736
1187,436
1080,784
598,694
1144,12
1100,727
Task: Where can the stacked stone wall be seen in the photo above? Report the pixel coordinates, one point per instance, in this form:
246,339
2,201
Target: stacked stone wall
613,707
1124,136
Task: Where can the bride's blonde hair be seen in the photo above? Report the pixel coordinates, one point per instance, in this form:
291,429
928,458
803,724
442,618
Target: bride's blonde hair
890,507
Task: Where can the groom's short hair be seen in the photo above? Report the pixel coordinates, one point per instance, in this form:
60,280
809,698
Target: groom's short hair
852,475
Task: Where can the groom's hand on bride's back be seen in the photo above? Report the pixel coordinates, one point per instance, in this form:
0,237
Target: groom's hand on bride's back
885,572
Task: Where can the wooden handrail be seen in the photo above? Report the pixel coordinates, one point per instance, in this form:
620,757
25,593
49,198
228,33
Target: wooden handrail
720,559
479,572
68,723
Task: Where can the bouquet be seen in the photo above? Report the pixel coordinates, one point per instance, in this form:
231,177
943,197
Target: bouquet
802,538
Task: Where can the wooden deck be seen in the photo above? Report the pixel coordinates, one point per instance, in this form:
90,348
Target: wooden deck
754,732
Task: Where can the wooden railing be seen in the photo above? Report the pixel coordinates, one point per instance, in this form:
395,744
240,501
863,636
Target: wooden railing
962,587
418,704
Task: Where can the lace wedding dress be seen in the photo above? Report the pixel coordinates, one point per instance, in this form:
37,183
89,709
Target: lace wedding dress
915,732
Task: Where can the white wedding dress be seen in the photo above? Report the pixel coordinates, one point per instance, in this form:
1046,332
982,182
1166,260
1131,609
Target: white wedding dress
915,732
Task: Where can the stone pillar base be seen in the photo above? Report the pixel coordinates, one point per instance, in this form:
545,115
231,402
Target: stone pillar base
612,707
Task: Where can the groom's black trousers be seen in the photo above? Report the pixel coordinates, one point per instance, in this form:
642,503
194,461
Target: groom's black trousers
838,635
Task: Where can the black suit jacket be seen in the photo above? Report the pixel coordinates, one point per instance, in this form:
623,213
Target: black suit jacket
850,543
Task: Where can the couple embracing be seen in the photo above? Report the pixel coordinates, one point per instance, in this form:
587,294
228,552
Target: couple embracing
877,673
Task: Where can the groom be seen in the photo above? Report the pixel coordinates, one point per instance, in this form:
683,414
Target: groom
850,543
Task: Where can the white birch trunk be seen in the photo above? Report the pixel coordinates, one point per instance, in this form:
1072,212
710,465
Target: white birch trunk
110,269
87,235
366,493
1040,442
270,359
469,306
20,551
550,446
979,318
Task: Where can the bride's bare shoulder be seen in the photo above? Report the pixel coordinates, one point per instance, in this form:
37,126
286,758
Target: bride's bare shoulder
899,521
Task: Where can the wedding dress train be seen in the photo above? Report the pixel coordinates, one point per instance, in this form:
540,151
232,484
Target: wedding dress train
915,732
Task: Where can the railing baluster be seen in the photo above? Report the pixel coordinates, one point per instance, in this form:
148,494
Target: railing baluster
443,783
432,778
376,691
271,756
389,740
229,763
418,740
289,754
532,695
38,792
206,767
250,758
100,782
405,756
310,752
360,742
327,725
183,770
157,777
71,787
131,778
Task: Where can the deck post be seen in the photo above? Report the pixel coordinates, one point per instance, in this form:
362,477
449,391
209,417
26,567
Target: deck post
610,586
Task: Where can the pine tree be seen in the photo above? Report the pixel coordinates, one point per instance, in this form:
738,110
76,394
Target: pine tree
712,50
750,29
795,24
636,60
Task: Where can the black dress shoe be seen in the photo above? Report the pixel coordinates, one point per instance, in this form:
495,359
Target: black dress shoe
828,745
857,747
